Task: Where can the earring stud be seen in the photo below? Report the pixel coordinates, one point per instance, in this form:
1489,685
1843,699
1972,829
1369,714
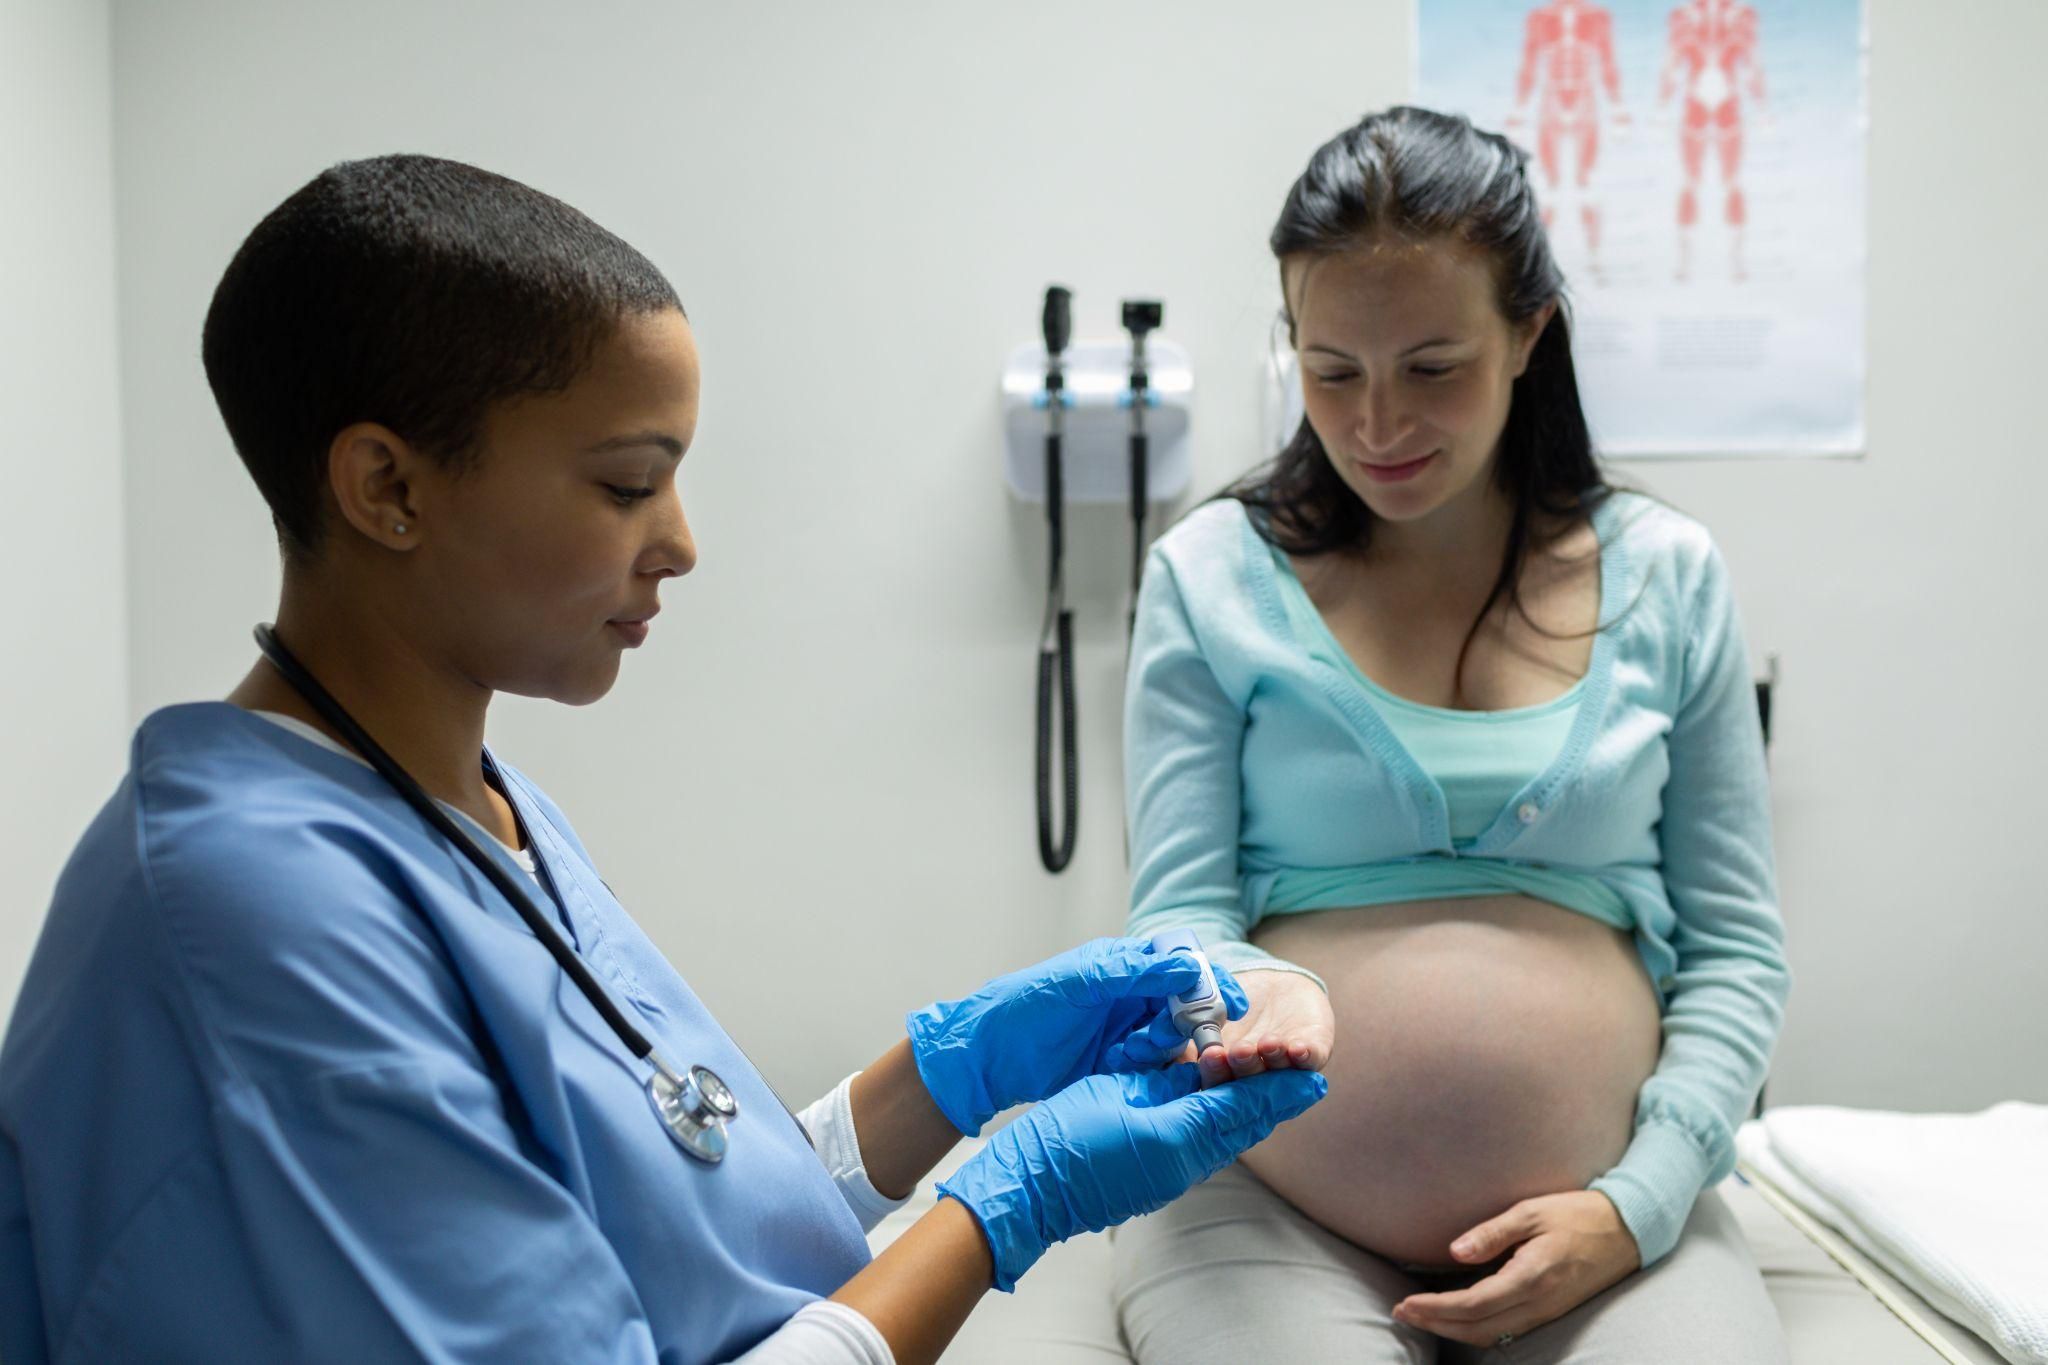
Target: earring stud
399,528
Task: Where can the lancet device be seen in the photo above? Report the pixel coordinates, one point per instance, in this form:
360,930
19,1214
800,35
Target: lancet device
1200,1013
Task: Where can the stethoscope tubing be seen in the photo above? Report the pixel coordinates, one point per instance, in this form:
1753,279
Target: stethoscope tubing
320,699
693,1107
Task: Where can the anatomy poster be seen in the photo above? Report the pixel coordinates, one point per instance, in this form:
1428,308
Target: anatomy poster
1700,167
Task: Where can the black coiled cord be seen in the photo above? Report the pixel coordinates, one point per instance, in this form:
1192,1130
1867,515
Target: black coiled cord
1057,854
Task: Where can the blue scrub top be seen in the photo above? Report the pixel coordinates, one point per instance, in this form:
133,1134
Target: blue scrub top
289,1079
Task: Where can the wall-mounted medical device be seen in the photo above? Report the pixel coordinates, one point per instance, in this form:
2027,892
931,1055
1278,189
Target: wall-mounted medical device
1088,422
1096,418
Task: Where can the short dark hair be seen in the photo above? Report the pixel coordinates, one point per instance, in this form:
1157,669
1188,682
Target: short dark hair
412,291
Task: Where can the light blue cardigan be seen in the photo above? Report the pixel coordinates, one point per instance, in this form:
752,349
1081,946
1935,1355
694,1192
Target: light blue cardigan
1245,756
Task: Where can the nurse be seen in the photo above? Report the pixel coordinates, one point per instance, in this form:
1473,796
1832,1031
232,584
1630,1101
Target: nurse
289,1078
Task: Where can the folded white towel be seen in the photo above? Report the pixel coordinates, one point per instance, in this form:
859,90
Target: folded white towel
1955,1206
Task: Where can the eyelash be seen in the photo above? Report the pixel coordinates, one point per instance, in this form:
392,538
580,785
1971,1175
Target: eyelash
1426,371
626,497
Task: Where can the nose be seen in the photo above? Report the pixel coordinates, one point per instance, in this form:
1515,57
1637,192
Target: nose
1381,421
672,552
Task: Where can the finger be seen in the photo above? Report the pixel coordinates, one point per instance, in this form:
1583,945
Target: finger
1153,1045
1510,1287
1486,1331
1244,1059
1164,1087
1118,968
1273,1052
1235,1001
1245,1112
1136,1054
1490,1238
1117,1062
1316,1046
1214,1064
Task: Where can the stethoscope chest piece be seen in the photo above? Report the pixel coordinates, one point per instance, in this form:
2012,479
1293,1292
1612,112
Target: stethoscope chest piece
694,1107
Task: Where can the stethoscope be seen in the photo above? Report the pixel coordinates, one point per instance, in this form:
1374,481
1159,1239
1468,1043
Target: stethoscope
693,1106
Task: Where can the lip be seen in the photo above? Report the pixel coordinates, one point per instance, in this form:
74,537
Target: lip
634,629
1395,473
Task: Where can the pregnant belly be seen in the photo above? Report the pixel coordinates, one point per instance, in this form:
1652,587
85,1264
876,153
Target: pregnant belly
1488,1050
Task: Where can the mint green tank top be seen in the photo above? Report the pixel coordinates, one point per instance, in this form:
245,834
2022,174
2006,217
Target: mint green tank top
1480,760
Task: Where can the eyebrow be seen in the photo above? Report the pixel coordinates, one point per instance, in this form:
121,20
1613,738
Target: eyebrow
1419,346
638,438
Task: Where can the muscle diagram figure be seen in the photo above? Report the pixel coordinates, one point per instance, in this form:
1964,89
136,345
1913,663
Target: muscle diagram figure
1713,52
1567,44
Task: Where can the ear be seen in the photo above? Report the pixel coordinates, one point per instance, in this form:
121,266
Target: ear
1530,333
375,475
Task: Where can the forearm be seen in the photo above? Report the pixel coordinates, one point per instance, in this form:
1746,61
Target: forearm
1183,773
902,1131
926,1282
1732,979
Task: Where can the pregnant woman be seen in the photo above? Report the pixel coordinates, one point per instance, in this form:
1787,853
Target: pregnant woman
1449,750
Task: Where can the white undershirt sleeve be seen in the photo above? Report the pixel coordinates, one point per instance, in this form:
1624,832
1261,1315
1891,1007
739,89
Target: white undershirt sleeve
822,1333
829,1121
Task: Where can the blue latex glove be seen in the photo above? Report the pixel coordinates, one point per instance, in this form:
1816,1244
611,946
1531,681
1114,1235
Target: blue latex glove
1109,1148
1022,1037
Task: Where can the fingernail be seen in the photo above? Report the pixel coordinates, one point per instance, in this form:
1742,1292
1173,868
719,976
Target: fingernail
1462,1247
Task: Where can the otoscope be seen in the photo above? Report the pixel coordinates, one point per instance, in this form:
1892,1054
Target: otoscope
1140,316
1198,1013
1056,637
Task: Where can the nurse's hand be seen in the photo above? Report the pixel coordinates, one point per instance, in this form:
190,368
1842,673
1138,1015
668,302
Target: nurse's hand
1109,1148
1033,1033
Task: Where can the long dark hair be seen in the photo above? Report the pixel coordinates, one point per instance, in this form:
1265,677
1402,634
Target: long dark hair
1417,173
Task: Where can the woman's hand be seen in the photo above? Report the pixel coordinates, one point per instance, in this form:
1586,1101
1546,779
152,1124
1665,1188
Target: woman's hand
1033,1033
1288,1023
1567,1248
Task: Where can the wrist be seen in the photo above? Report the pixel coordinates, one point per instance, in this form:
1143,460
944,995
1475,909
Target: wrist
901,1130
1002,1201
1007,1256
1241,960
1623,1240
944,1063
924,1284
965,1233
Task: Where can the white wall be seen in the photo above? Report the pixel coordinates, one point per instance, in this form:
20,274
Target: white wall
814,784
63,610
